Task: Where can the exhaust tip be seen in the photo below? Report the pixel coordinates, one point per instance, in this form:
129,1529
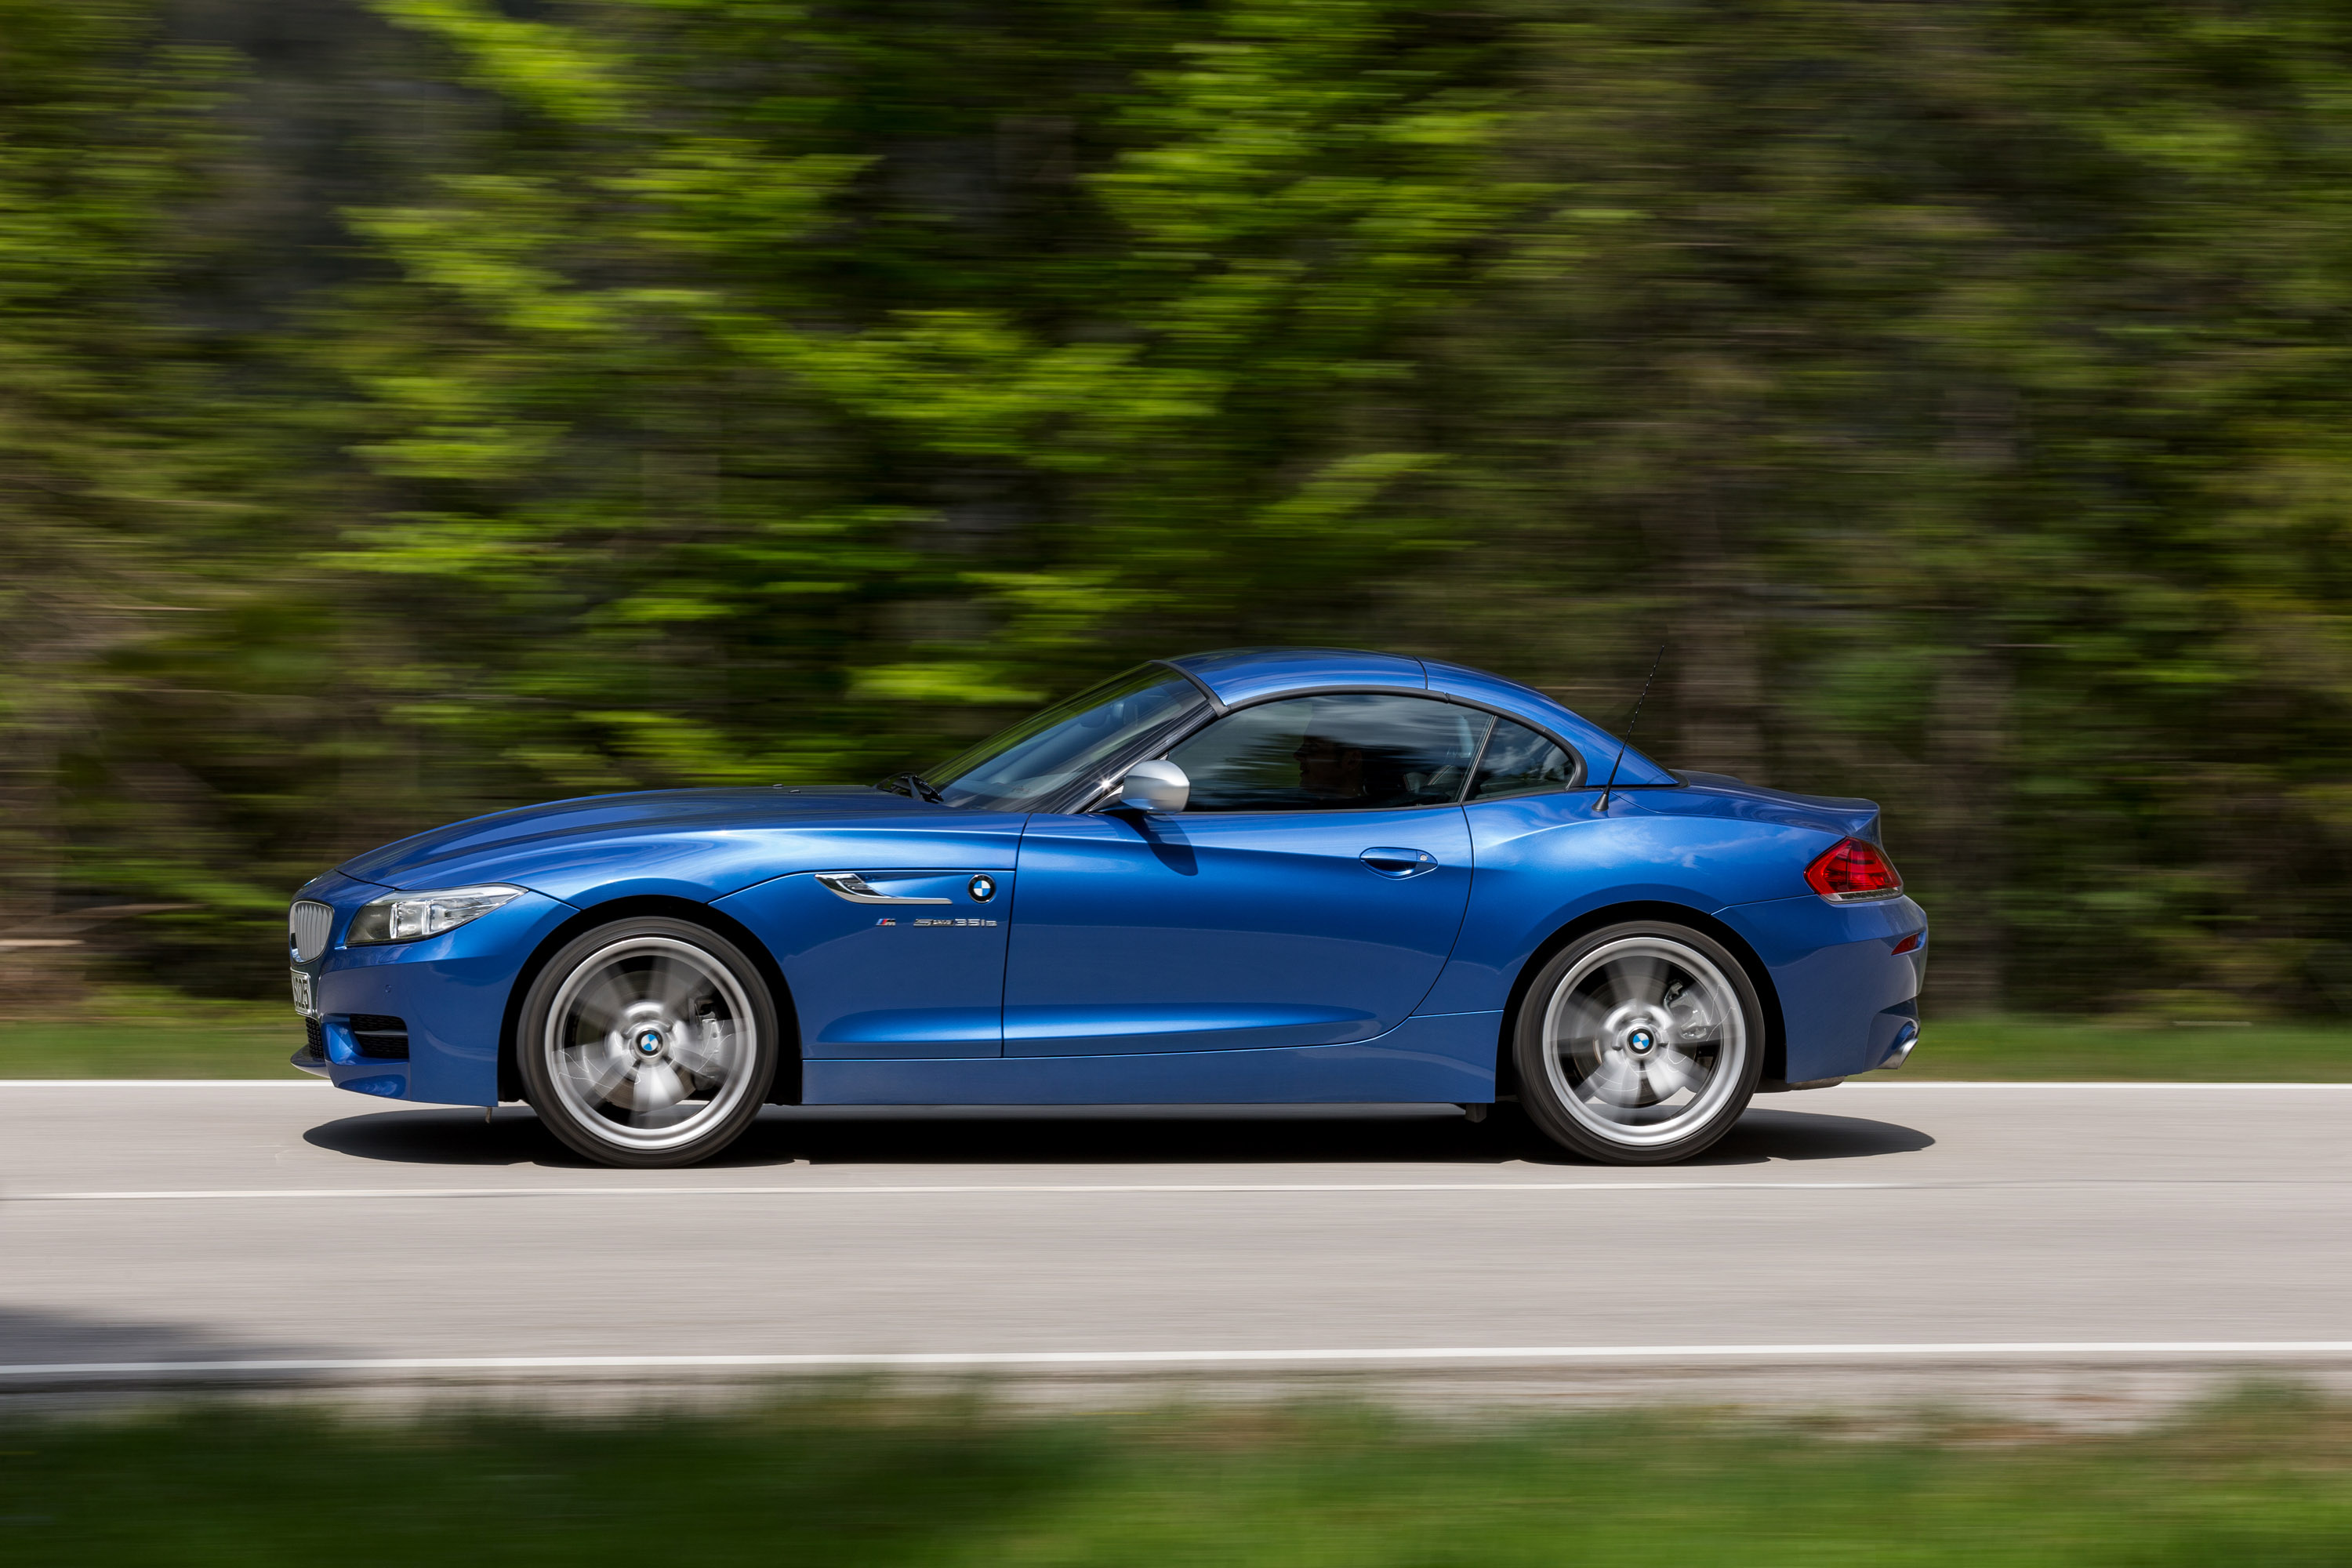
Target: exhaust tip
1907,1038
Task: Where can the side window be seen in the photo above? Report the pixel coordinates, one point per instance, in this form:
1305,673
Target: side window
1520,761
1351,752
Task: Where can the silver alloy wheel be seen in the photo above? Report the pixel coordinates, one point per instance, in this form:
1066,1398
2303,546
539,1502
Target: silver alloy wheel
650,1043
1643,1040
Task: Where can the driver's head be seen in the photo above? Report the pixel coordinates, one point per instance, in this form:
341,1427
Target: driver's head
1329,768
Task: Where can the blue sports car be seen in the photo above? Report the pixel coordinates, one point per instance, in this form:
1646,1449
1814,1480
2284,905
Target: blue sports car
1263,876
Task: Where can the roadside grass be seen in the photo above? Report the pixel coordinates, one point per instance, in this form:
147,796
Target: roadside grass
128,1031
2048,1049
2258,1478
132,1031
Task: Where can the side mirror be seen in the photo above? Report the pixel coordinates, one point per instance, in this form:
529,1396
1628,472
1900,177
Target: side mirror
1155,786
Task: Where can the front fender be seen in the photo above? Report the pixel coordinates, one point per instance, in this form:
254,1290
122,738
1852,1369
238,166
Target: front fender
705,865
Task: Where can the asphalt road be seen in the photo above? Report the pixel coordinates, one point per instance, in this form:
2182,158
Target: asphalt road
277,1230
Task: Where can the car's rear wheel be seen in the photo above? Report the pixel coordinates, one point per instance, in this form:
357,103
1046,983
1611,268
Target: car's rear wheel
1639,1043
647,1042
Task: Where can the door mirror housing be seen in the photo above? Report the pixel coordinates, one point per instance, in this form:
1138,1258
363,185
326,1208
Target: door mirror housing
1155,786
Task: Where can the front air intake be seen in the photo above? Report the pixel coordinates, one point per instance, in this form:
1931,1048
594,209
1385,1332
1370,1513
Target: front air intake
378,1037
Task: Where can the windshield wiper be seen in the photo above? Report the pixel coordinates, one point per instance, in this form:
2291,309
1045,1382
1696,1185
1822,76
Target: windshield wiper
913,784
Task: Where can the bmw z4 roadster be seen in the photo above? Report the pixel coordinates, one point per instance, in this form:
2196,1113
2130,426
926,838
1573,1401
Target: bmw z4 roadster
1265,876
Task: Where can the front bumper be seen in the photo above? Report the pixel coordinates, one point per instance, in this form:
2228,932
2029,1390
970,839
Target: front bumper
450,991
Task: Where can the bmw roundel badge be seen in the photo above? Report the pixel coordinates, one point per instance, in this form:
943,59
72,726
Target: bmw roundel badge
983,890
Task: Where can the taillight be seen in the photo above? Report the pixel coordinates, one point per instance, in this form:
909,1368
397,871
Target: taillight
1851,871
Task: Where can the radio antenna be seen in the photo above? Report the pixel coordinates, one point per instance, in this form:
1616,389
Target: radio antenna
1603,809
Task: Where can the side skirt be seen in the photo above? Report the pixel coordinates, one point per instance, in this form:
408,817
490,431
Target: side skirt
1447,1057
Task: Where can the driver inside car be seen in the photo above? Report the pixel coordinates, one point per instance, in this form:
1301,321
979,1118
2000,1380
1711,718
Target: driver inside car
1328,769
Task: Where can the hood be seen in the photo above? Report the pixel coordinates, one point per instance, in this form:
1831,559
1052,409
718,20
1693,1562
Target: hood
1840,815
533,835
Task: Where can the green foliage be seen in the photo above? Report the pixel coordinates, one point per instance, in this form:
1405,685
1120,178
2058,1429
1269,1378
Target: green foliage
714,479
2199,1050
118,498
145,1032
726,391
1918,369
844,1477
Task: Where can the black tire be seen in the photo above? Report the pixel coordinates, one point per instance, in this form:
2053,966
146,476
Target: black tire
647,1042
1639,1043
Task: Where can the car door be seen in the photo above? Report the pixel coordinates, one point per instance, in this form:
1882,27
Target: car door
1308,895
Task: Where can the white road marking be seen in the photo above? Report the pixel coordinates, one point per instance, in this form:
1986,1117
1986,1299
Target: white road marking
940,1189
305,1081
1762,1102
2029,1350
985,1189
1768,1101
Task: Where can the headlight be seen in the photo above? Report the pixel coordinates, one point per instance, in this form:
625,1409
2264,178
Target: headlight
406,917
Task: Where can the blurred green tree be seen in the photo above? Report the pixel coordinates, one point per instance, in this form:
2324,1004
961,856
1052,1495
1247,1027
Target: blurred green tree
765,375
1954,386
417,406
112,475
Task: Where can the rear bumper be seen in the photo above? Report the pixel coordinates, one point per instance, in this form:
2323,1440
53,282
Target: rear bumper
1850,1002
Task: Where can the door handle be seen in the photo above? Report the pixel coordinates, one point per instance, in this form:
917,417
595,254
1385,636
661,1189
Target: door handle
1399,864
851,886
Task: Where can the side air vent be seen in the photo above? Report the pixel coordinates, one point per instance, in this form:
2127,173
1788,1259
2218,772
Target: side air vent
314,1044
307,924
380,1038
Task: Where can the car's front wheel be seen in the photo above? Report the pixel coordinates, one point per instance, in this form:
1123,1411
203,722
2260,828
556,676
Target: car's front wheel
647,1042
1639,1043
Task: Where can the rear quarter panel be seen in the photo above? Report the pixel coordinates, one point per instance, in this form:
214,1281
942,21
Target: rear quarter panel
1545,860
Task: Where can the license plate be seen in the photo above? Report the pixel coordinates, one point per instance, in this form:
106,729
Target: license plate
302,1002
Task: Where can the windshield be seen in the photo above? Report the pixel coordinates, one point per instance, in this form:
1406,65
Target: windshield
1017,768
